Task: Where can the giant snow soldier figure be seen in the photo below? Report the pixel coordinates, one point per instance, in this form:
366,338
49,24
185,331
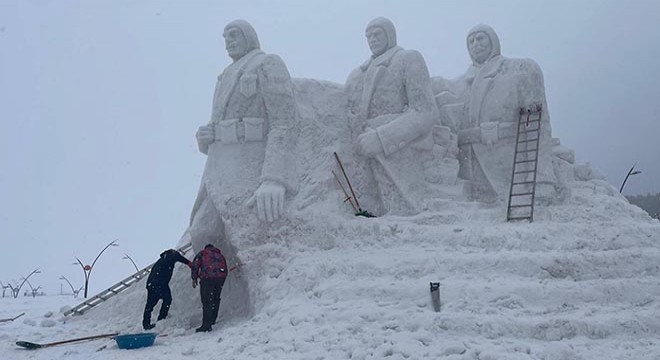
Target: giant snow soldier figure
392,113
247,142
493,89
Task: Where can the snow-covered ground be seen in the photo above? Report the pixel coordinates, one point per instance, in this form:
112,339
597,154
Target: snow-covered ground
581,282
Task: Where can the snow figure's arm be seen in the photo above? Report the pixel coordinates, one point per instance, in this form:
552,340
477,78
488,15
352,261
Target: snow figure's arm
531,90
205,134
280,108
422,111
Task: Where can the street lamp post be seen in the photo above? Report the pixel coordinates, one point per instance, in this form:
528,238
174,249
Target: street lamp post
4,288
17,290
126,256
73,290
631,172
87,269
34,291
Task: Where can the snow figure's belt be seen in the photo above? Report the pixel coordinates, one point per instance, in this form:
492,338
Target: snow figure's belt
487,133
234,131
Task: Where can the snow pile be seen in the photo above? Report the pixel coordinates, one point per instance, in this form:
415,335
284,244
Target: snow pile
578,283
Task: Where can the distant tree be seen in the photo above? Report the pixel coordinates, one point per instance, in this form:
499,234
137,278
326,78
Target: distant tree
649,203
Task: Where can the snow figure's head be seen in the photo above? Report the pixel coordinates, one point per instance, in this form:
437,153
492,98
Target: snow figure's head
483,44
240,39
381,35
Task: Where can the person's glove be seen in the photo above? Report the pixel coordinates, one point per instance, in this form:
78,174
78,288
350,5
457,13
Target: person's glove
194,283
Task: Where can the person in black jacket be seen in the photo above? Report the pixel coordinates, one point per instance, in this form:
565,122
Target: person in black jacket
158,285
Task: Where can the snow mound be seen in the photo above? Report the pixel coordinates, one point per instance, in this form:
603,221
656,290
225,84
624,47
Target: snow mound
580,282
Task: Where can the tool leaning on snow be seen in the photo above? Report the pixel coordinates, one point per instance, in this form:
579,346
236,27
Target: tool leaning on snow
33,346
11,319
352,199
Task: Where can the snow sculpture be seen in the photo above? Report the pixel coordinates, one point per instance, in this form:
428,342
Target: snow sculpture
483,107
248,145
247,141
392,116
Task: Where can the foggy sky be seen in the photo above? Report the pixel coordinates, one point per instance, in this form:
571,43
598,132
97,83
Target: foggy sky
100,101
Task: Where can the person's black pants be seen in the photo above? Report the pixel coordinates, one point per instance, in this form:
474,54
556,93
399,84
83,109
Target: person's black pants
153,295
209,290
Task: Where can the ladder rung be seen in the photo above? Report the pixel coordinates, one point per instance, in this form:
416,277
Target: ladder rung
523,172
525,151
522,194
524,161
529,121
520,206
526,141
528,131
523,182
520,218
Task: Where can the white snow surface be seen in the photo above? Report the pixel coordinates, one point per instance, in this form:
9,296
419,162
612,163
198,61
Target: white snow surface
580,282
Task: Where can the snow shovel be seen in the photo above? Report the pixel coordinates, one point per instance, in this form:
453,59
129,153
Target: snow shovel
32,346
11,319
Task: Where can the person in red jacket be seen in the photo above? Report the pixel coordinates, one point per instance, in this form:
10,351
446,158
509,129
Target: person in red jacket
210,268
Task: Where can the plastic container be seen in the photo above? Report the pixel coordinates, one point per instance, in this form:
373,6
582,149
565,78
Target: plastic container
135,341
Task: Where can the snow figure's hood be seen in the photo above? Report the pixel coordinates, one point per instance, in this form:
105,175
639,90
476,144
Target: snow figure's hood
248,31
386,25
494,41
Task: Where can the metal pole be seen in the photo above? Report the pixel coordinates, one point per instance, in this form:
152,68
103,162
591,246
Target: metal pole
18,289
88,269
126,256
631,172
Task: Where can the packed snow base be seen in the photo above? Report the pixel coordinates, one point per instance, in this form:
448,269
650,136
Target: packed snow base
579,283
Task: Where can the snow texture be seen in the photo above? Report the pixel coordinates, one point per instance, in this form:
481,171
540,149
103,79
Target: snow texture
580,282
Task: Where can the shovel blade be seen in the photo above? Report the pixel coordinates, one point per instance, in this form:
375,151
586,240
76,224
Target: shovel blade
28,345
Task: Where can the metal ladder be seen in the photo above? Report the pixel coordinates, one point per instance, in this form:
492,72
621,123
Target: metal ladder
115,289
525,165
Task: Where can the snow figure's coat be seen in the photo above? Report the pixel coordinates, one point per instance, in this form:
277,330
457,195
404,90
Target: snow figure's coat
252,117
493,92
390,94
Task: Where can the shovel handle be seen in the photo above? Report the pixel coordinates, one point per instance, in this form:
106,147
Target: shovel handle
31,346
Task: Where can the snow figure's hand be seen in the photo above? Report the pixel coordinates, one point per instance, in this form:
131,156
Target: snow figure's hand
205,136
369,144
269,198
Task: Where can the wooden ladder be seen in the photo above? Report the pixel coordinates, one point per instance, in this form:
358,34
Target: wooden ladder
525,165
115,289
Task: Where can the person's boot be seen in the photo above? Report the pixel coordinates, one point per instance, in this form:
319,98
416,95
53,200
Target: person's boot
203,329
148,326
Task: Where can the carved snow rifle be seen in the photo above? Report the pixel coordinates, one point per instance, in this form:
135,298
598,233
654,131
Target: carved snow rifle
356,206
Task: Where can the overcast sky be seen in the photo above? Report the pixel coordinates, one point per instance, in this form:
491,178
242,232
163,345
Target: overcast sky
100,101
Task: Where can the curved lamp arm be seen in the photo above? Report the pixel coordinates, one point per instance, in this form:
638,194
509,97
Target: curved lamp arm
112,243
25,279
